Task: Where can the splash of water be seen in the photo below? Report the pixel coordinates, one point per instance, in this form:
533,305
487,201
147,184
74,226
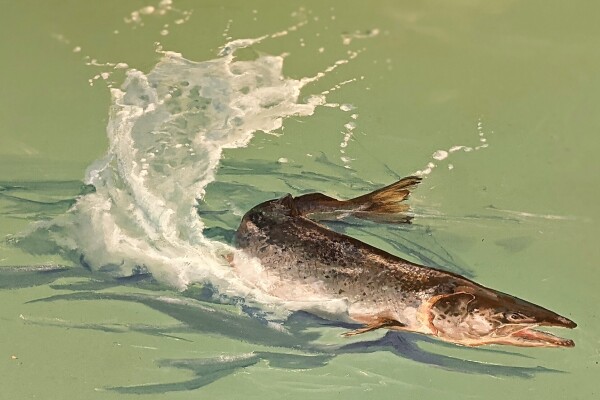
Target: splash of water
167,131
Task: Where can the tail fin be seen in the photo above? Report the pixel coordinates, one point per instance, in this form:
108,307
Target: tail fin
388,200
382,205
386,204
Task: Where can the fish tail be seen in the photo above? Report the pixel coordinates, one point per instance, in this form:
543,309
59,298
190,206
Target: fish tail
386,204
388,200
382,205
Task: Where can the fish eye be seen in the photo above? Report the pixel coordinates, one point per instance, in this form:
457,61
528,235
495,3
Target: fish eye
516,317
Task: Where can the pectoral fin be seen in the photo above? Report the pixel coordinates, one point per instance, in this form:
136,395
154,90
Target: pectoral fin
376,324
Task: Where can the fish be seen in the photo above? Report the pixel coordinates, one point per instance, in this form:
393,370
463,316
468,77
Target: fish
302,260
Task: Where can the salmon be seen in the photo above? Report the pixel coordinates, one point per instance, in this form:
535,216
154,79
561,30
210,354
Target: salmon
303,259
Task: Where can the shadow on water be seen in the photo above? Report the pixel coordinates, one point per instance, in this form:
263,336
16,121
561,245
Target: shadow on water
414,241
37,201
199,310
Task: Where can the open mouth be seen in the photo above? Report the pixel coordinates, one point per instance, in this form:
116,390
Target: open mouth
533,338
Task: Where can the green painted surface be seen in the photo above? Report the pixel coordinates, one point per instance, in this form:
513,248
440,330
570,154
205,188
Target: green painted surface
527,70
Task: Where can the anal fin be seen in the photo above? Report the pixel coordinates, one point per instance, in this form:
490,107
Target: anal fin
376,324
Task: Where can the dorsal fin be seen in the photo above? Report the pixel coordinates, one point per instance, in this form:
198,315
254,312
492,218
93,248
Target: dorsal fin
287,201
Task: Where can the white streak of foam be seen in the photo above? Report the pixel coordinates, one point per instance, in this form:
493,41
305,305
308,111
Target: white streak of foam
329,69
533,215
441,154
348,134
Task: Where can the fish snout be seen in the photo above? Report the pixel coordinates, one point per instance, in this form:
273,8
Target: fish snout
559,320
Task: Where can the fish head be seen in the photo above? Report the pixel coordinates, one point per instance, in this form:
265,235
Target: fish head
479,316
270,212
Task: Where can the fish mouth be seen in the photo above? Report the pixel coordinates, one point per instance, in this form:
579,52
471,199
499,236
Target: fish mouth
529,337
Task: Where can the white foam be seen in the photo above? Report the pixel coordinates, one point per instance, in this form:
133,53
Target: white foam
349,37
164,7
440,155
